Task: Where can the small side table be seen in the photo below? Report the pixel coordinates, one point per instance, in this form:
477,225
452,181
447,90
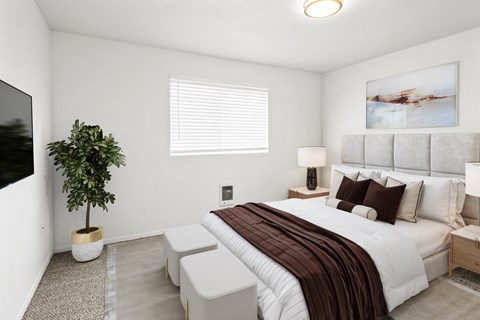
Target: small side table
304,193
465,249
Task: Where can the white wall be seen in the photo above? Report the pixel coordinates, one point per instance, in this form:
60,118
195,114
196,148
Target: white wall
125,89
26,206
344,90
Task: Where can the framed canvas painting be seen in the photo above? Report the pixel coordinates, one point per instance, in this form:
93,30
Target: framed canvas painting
424,98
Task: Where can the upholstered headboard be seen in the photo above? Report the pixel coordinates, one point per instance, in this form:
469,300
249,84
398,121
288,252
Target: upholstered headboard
437,154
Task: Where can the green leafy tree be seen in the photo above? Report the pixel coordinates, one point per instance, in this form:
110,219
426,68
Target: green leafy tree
84,161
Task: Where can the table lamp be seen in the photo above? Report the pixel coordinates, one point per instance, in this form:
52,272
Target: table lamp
472,179
311,158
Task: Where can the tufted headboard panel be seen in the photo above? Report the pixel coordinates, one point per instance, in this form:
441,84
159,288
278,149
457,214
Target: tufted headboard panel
436,154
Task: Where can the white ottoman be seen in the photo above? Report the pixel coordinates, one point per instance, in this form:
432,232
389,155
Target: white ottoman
215,285
183,241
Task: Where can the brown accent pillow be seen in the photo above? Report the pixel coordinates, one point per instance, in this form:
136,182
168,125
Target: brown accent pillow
385,200
352,191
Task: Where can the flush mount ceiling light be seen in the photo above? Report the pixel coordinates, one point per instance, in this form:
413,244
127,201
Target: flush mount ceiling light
322,8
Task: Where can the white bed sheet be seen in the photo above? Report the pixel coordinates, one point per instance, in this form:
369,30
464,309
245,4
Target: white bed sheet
429,236
280,295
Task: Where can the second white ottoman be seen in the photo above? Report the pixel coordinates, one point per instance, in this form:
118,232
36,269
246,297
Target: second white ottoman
183,241
215,285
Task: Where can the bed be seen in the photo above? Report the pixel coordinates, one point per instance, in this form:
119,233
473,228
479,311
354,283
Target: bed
407,255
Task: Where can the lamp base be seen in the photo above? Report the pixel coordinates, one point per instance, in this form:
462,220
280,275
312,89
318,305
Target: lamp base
312,178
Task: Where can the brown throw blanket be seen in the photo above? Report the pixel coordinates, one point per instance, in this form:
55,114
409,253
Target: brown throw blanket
338,278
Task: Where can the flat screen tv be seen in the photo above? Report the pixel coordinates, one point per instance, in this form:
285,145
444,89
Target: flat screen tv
16,135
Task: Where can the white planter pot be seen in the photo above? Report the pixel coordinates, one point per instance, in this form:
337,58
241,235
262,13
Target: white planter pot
87,246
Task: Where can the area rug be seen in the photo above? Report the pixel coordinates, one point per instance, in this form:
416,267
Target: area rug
139,290
136,285
441,301
70,290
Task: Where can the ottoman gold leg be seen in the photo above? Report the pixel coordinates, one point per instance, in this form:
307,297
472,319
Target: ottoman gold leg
166,267
186,310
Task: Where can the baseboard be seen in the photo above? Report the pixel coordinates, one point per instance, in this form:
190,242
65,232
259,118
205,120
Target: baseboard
119,239
34,287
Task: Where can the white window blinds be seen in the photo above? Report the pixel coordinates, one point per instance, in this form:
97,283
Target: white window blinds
210,118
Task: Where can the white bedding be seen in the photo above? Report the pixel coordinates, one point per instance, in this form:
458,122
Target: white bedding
280,296
428,236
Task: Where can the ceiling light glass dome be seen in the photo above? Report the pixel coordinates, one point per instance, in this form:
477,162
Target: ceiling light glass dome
322,8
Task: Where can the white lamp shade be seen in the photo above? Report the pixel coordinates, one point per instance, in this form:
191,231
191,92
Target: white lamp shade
472,179
312,157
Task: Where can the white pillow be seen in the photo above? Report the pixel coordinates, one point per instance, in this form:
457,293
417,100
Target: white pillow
460,196
367,173
336,180
438,200
380,181
408,206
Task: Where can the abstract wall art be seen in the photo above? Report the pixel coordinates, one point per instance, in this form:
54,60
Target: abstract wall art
424,98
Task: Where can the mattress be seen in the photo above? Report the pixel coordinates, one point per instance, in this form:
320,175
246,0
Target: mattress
279,294
428,236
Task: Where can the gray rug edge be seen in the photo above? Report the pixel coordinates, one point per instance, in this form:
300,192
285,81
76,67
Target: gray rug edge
460,286
110,283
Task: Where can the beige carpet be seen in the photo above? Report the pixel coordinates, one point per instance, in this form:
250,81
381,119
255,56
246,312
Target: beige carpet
70,290
466,278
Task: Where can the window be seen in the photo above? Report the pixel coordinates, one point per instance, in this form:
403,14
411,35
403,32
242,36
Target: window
211,118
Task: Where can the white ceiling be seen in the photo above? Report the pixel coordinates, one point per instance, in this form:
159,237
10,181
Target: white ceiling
273,32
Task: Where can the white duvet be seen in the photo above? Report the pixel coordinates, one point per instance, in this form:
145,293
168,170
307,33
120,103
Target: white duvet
279,293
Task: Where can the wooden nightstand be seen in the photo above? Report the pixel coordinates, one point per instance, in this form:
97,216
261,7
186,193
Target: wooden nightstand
465,249
304,193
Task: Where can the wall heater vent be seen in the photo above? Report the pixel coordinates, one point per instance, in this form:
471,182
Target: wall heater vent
226,194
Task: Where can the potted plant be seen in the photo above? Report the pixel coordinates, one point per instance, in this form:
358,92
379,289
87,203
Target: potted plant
84,161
